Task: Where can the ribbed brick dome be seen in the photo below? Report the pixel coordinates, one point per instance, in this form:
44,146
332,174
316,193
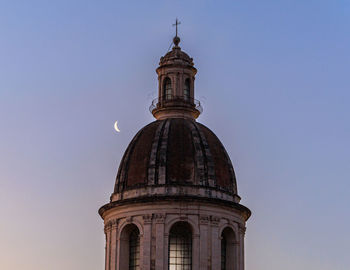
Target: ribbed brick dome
176,152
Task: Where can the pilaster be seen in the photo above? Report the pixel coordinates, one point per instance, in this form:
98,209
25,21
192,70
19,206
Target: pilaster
108,229
215,243
113,245
204,241
160,254
196,251
241,229
147,237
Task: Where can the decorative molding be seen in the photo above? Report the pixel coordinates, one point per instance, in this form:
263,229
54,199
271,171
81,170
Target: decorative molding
183,217
204,219
129,219
241,229
160,218
108,227
147,219
214,220
201,193
112,224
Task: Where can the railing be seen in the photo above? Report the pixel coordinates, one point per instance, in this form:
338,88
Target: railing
171,100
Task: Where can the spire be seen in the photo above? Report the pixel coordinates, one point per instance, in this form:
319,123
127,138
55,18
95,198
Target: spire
176,39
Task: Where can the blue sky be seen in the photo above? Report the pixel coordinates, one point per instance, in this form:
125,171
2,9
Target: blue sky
273,77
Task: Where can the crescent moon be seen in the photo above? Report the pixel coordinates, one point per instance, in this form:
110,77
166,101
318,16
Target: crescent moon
116,126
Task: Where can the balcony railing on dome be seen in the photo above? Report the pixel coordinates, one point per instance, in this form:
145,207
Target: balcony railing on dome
174,101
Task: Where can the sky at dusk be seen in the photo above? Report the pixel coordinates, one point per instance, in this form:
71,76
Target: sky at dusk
273,79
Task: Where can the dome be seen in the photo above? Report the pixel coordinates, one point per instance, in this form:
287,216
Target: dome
175,201
176,55
176,156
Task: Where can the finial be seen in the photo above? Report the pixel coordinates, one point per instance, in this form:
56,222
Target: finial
176,38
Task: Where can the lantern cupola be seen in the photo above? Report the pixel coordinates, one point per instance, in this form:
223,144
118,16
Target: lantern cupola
176,75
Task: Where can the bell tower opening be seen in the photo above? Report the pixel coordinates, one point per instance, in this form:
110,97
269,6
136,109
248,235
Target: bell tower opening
187,89
167,89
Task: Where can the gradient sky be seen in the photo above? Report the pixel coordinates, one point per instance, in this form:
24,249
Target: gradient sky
273,77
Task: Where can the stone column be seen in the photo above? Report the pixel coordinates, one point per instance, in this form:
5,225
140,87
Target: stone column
113,245
215,243
192,88
204,242
176,86
160,88
107,229
160,254
106,241
241,230
166,251
237,254
147,231
196,255
181,83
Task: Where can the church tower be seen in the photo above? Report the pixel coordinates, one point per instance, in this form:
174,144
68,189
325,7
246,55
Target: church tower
175,204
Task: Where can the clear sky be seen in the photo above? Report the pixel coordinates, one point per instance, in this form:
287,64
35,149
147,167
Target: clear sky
273,77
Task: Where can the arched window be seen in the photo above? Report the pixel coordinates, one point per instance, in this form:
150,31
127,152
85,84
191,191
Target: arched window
180,247
129,256
228,249
134,250
187,89
167,89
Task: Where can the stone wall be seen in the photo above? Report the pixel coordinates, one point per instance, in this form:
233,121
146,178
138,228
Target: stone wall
154,222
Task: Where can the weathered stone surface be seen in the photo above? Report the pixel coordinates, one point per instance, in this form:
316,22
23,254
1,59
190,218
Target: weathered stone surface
176,152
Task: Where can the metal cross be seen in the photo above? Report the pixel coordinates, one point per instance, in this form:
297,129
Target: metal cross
176,24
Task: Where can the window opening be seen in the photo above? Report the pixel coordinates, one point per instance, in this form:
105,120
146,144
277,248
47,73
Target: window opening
187,89
134,250
180,247
228,250
167,89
